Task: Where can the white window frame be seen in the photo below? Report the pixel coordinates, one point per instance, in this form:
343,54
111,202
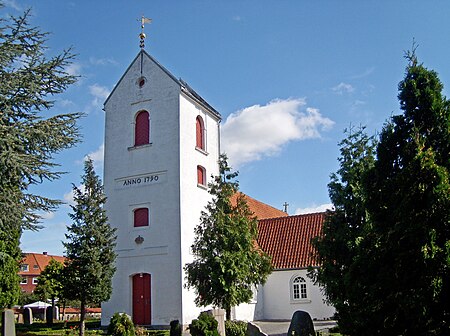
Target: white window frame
34,281
24,268
24,281
299,289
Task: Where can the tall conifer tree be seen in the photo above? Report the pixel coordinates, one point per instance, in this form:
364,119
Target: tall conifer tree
227,261
29,137
394,274
90,246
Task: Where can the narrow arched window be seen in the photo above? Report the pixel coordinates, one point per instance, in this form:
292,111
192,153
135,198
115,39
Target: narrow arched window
298,288
200,133
142,129
201,176
140,217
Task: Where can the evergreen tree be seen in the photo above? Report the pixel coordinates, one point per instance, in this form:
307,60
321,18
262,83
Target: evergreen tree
90,246
29,137
393,270
227,261
339,245
409,203
50,282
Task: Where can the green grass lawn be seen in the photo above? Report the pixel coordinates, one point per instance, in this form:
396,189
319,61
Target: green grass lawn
59,328
71,328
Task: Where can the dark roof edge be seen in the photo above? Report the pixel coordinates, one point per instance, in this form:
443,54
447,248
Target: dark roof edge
185,88
183,85
290,216
294,268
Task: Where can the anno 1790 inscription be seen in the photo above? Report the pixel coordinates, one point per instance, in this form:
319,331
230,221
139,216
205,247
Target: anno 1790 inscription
141,180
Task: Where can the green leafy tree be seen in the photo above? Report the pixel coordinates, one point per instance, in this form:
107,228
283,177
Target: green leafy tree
29,137
394,271
227,262
50,282
90,246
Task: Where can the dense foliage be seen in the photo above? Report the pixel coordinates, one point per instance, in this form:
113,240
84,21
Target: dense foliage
29,137
235,328
227,263
121,325
90,246
390,233
50,282
205,325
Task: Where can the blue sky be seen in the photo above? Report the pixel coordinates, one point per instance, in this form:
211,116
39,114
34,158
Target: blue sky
287,76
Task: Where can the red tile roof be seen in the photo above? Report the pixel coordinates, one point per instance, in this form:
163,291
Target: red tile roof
260,209
36,262
288,239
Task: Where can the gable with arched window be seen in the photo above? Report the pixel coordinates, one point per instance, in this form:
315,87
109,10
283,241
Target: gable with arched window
142,129
200,133
201,176
298,288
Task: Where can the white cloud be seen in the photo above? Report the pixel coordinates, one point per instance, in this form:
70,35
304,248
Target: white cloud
13,4
47,215
100,93
74,69
102,61
68,197
65,103
97,156
365,73
261,131
342,88
314,209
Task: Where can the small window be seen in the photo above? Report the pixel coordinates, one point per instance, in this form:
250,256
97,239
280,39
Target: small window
35,281
24,267
200,133
298,288
23,281
35,267
141,217
201,176
142,129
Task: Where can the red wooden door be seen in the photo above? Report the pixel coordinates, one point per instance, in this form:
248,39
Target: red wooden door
142,306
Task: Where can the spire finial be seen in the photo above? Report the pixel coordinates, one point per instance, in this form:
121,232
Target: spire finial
142,35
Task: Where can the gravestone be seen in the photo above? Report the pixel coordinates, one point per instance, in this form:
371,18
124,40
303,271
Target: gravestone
49,316
8,323
301,324
27,316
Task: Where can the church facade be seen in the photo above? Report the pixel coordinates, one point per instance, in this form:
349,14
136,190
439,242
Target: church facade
162,144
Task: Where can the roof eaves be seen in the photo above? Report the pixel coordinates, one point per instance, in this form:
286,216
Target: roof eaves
142,52
196,97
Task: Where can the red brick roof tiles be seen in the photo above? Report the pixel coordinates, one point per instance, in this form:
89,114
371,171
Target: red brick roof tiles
288,239
39,260
260,209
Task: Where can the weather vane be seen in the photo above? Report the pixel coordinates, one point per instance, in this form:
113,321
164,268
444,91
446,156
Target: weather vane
142,35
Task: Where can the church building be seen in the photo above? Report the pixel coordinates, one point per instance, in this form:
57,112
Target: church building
162,144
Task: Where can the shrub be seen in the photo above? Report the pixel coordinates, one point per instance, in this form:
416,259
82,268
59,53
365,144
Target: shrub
175,328
121,325
205,325
235,328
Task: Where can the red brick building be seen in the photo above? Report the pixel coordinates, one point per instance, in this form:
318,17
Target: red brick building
32,266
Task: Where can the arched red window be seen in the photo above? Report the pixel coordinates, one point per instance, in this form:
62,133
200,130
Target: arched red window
200,133
201,175
141,217
142,129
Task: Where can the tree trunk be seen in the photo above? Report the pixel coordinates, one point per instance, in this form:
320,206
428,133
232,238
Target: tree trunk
82,317
228,313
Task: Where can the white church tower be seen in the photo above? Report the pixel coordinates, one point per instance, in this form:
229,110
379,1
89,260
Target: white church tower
161,148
